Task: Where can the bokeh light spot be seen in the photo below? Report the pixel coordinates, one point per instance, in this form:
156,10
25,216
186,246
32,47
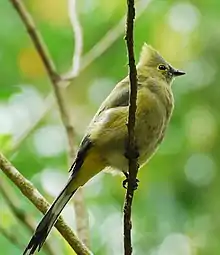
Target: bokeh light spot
112,237
200,74
201,128
54,12
25,107
53,181
99,89
49,140
200,169
174,244
6,120
30,63
183,17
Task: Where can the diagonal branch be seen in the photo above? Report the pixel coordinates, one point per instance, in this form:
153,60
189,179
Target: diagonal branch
28,190
19,213
131,151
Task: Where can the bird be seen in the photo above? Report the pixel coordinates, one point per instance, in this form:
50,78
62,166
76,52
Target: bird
106,137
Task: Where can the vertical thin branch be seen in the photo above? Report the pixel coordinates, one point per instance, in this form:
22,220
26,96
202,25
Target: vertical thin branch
78,39
20,214
131,152
29,191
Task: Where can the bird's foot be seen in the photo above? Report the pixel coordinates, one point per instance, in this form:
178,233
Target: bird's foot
125,182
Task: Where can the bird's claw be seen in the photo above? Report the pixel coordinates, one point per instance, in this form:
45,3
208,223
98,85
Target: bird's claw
125,182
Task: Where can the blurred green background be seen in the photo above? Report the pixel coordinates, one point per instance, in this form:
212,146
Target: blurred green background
176,210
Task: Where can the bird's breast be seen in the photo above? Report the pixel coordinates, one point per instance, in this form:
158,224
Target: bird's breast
151,123
147,132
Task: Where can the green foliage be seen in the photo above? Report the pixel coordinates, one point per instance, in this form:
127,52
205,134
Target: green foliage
5,141
176,208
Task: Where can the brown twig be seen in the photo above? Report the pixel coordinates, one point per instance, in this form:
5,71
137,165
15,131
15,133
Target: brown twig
20,214
28,190
11,237
131,151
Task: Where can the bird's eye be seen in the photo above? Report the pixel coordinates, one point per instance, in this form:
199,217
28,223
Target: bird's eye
162,67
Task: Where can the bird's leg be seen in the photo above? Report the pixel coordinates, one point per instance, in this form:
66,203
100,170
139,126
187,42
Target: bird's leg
125,182
135,155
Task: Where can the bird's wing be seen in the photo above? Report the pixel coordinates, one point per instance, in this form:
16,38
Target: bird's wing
108,121
84,148
117,98
109,126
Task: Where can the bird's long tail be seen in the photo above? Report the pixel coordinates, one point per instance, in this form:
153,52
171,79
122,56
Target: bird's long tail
83,169
44,227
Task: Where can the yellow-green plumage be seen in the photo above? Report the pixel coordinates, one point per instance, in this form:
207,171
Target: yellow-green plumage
108,129
105,141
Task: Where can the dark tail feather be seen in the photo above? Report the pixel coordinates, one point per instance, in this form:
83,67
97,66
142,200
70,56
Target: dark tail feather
44,227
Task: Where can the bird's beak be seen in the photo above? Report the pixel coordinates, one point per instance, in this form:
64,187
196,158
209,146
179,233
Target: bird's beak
177,72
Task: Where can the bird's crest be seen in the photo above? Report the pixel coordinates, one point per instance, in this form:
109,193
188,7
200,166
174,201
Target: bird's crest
149,56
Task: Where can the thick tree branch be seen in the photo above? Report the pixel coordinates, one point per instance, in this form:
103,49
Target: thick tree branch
13,203
28,190
131,151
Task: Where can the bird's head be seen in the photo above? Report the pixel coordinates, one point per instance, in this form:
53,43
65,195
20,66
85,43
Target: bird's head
153,64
